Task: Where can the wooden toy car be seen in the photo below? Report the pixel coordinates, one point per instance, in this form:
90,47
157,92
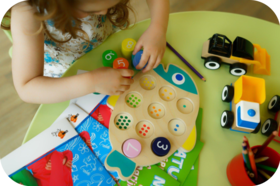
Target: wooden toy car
271,125
239,55
245,97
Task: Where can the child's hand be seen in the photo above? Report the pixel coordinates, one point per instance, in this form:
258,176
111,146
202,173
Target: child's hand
153,42
111,81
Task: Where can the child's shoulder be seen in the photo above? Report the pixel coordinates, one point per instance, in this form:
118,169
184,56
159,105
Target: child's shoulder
24,7
23,18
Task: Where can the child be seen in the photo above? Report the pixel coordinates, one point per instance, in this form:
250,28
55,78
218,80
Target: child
59,32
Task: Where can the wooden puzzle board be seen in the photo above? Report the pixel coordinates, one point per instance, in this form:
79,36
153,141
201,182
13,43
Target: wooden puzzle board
159,123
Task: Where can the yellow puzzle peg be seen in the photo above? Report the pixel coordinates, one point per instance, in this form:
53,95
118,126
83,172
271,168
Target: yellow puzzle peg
191,141
128,46
112,101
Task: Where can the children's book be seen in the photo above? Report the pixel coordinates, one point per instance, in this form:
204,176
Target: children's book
150,176
181,162
192,178
92,131
56,157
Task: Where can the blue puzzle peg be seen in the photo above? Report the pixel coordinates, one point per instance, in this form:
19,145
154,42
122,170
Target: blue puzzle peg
161,146
137,58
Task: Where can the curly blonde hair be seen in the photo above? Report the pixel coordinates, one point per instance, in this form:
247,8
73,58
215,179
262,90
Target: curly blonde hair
58,12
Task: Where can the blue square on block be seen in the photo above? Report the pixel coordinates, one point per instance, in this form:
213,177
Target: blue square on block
244,124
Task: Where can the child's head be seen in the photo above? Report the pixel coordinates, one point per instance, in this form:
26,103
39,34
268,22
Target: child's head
98,7
64,12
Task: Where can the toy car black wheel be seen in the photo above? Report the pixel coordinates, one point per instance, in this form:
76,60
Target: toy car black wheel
269,126
274,104
212,63
257,129
227,119
227,94
238,69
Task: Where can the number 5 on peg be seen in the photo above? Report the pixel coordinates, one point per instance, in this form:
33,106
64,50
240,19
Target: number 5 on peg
128,46
121,63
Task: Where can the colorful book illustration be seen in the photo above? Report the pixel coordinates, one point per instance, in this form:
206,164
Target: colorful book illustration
191,179
150,176
179,165
80,114
56,157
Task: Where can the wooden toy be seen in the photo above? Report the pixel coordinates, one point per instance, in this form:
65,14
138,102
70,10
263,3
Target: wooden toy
158,113
108,58
137,58
239,55
120,63
245,97
271,125
185,61
128,46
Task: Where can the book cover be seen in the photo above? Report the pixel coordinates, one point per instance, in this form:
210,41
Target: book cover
150,176
56,157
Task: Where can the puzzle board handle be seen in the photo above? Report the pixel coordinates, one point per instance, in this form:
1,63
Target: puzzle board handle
116,161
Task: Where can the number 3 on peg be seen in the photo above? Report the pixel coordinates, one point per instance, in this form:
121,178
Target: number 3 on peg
161,146
128,46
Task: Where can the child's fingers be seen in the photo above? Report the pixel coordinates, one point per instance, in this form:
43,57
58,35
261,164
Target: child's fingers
126,81
126,72
144,60
151,64
119,93
137,48
123,88
157,62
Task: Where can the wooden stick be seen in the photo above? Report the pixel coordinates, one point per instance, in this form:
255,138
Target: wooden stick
265,167
258,160
253,164
264,174
269,139
185,61
245,139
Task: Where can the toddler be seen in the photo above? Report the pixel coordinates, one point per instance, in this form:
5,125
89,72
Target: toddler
50,35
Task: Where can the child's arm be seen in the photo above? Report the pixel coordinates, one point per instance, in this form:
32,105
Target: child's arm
28,65
153,39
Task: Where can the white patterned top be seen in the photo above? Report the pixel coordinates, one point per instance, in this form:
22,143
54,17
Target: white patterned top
58,57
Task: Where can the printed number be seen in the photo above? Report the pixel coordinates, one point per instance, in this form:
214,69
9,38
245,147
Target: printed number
129,145
129,44
109,56
162,146
121,62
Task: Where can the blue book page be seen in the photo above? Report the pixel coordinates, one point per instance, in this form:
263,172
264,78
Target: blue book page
99,137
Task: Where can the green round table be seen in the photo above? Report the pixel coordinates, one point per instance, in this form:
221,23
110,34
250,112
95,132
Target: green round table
186,33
